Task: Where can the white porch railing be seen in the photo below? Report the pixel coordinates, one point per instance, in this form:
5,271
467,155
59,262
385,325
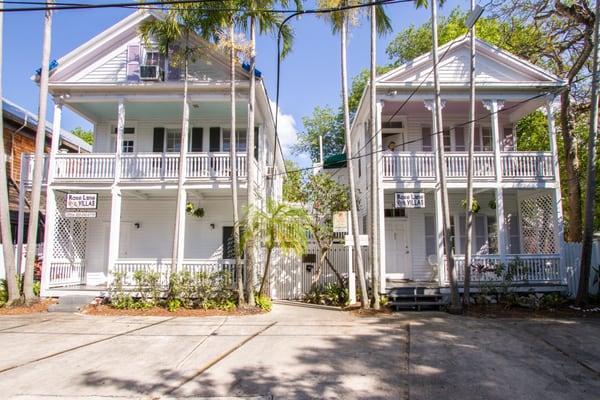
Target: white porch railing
66,273
139,166
525,268
515,165
163,266
533,165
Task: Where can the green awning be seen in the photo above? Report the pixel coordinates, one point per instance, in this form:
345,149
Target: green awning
335,161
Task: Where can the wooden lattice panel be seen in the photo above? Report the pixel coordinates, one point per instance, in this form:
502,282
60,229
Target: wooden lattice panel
538,225
69,234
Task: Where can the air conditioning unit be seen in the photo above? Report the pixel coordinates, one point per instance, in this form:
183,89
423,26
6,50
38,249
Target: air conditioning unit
149,72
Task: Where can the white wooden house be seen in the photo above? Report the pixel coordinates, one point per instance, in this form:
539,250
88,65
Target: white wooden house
133,96
518,192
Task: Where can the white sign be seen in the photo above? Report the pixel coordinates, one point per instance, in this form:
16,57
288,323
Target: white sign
409,200
340,221
82,200
362,239
80,214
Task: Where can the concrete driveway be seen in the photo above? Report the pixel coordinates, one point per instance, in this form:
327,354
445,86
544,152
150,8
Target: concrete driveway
298,352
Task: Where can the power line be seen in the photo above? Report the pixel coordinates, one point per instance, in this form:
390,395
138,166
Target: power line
278,74
489,114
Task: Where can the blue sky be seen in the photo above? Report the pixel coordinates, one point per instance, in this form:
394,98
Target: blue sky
310,74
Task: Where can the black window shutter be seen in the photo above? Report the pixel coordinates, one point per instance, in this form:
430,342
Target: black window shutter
256,143
159,140
215,139
196,139
426,136
228,247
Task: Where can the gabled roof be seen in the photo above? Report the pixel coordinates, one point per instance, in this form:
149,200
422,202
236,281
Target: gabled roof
103,49
26,117
493,67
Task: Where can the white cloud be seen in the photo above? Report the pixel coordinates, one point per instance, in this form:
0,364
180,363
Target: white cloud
288,134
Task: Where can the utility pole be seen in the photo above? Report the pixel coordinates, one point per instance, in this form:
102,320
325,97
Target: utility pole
454,300
471,149
588,230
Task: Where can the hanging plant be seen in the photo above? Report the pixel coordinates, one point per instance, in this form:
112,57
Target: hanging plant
475,207
492,204
193,210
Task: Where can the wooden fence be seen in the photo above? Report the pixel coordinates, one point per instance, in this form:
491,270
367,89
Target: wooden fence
572,263
292,276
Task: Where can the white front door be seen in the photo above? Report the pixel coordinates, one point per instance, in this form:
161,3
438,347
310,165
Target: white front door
398,263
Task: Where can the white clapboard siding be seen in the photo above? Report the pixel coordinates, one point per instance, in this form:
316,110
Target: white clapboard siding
113,70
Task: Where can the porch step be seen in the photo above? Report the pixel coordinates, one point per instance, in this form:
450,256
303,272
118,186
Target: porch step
415,297
71,303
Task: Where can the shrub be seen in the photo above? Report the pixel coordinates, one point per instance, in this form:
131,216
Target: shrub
328,294
173,305
119,297
552,301
3,292
263,302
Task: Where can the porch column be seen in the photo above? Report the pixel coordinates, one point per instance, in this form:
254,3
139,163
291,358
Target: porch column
180,230
114,229
21,217
494,106
49,225
380,198
556,194
120,132
439,218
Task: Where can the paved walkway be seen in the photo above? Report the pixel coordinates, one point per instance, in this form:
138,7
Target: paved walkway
297,352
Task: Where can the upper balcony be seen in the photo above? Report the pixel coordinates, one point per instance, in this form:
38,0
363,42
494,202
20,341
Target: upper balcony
515,166
140,167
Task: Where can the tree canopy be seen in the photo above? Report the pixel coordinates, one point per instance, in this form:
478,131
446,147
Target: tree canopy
86,135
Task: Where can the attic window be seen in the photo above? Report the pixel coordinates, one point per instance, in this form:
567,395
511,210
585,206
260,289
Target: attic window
393,125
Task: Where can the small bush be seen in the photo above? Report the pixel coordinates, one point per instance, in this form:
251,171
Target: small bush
264,302
3,292
173,305
328,294
552,301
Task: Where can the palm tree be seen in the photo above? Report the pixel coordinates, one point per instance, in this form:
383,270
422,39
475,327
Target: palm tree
339,22
281,226
267,22
380,23
177,25
6,235
38,166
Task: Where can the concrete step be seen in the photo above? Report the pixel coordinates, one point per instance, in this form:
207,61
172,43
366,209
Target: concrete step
74,303
412,291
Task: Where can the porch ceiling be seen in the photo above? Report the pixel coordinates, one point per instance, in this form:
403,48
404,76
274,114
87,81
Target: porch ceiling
163,111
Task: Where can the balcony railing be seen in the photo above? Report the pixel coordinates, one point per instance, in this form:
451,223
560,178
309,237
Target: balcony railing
139,166
515,166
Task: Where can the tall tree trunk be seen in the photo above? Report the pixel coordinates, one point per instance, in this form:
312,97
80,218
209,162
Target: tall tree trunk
234,181
471,149
573,169
185,127
7,241
454,300
38,168
590,195
364,297
250,256
375,263
263,291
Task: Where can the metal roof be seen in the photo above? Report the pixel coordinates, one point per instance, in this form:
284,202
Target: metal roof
27,117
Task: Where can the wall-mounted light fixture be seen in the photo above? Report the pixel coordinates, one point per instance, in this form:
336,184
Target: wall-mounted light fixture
137,225
212,226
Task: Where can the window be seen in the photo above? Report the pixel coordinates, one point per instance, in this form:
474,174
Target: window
485,234
127,146
426,138
395,212
514,239
152,57
173,140
228,242
483,139
240,138
430,236
128,130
